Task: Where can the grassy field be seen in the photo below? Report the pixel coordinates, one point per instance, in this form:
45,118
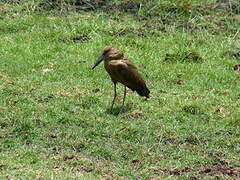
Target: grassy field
54,110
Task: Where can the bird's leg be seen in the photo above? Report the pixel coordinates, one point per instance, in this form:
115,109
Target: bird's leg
124,97
115,94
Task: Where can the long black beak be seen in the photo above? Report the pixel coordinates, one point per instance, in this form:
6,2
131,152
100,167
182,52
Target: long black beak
100,59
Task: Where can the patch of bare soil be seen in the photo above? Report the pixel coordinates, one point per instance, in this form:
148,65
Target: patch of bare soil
230,6
89,5
176,171
213,170
221,168
133,7
45,99
134,115
175,82
84,164
190,56
85,5
81,38
186,141
129,6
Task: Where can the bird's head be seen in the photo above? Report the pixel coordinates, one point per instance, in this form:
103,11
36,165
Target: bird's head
108,53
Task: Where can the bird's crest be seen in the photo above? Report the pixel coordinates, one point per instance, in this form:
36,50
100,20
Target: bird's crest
112,53
107,49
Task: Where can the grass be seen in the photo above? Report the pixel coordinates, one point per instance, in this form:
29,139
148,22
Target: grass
54,110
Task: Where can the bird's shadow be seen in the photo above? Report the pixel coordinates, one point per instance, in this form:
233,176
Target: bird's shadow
119,110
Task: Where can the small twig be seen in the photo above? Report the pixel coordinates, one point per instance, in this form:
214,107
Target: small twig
235,35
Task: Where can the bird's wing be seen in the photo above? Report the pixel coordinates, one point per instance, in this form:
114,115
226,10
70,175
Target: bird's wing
126,73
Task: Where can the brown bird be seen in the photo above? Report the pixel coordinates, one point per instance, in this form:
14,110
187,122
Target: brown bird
123,71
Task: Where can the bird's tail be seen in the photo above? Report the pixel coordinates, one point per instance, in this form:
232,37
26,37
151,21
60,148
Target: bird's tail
143,92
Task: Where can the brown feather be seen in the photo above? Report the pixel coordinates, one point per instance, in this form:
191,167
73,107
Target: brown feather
122,70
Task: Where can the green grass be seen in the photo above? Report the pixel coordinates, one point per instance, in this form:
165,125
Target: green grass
55,124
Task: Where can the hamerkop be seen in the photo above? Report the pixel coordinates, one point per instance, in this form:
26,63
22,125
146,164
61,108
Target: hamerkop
123,71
